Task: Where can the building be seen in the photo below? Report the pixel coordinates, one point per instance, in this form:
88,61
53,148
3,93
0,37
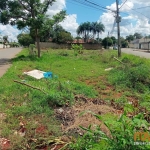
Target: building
143,43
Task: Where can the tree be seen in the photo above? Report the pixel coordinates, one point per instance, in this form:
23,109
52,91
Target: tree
64,37
87,28
60,35
107,41
130,38
137,35
97,28
84,30
25,39
114,40
24,13
124,43
5,40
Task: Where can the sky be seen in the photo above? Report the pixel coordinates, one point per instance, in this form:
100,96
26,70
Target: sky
134,16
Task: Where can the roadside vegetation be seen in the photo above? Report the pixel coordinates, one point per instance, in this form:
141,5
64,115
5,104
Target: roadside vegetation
83,106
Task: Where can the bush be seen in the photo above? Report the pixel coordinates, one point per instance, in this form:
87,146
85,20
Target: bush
32,51
78,49
136,77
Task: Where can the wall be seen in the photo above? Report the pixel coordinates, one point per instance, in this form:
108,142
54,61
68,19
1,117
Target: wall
87,46
1,45
145,46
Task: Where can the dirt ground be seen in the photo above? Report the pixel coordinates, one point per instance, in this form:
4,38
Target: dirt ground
81,115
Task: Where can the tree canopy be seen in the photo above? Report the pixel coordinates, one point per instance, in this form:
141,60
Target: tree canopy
90,30
25,39
60,35
26,13
107,41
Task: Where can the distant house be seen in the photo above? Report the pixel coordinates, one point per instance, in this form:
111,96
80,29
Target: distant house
143,43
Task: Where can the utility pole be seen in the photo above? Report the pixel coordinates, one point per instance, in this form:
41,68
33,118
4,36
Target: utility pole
118,20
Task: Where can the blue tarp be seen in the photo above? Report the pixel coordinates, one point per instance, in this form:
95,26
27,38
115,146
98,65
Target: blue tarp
48,75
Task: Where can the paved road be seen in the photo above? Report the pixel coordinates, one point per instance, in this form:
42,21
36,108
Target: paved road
5,56
137,52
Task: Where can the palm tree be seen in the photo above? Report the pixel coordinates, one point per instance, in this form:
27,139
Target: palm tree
97,28
86,28
94,28
100,28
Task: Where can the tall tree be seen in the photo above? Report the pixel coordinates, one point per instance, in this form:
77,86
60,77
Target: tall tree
87,28
5,41
114,40
137,35
24,13
100,28
25,39
130,38
107,41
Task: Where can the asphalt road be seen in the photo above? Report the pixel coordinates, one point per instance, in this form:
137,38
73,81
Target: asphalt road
5,56
136,52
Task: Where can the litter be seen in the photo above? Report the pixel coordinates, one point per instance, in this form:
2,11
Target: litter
108,69
36,74
48,75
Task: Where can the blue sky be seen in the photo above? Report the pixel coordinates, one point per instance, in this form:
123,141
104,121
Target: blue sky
133,19
86,13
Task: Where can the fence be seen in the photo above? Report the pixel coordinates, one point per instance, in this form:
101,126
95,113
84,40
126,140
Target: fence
92,46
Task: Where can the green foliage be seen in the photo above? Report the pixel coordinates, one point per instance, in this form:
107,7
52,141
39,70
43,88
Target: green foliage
121,134
28,13
90,27
59,35
32,50
78,49
114,40
130,38
138,35
25,40
136,77
124,43
14,44
107,42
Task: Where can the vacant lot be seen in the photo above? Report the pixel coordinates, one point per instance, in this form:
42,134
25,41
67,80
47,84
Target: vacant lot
92,101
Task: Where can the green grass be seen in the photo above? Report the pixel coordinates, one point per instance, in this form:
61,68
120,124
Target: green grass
70,75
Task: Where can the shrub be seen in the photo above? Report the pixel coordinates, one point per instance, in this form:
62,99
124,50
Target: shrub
136,77
78,49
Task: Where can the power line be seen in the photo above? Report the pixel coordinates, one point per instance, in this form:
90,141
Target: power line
141,7
89,5
82,4
123,4
137,12
100,6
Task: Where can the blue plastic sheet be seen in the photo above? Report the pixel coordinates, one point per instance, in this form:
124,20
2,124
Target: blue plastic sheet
48,75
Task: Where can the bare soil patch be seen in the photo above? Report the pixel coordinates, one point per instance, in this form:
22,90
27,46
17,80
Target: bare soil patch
81,115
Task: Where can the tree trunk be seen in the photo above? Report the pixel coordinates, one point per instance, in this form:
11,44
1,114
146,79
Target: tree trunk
38,43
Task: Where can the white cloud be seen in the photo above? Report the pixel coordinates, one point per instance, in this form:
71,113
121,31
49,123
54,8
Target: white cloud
133,19
56,7
10,31
70,24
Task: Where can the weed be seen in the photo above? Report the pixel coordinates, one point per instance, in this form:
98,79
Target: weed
122,132
78,49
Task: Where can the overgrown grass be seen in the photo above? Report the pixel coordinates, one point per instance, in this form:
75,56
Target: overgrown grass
70,73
